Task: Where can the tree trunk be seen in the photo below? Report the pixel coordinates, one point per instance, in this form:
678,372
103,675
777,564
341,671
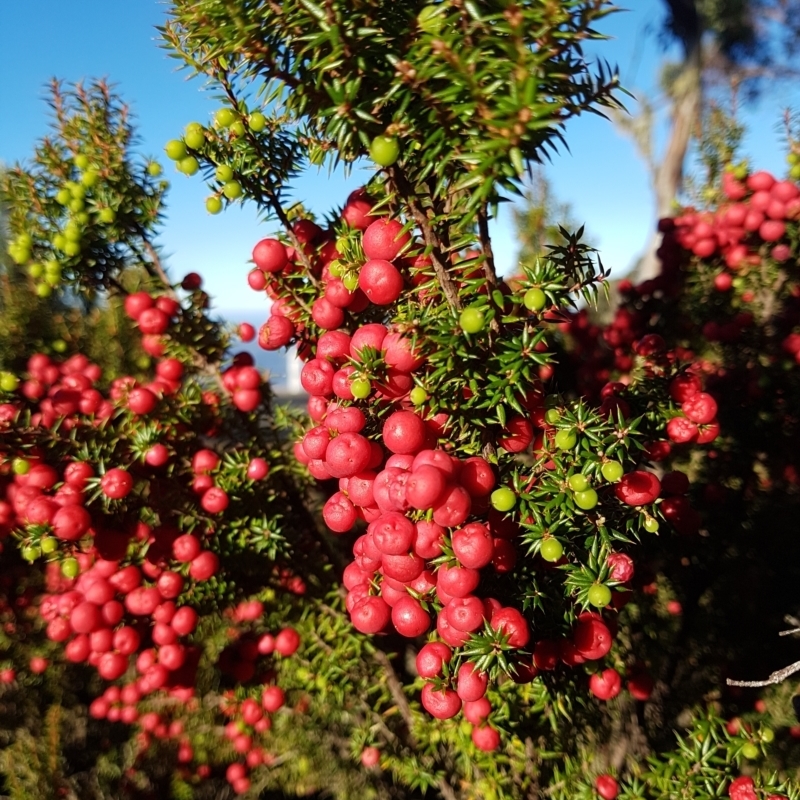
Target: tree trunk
685,114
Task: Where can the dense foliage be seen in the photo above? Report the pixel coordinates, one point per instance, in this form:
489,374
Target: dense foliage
506,551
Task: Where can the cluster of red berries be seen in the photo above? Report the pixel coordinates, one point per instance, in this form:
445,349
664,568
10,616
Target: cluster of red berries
759,209
379,280
117,588
433,521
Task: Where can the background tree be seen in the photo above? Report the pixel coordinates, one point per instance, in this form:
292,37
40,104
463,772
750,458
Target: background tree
728,50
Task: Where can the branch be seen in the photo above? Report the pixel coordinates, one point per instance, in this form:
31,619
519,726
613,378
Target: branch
401,701
270,191
486,245
778,676
432,242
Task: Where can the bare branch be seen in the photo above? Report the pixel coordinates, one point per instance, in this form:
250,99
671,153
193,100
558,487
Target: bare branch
778,676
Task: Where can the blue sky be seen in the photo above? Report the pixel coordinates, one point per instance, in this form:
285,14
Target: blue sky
602,176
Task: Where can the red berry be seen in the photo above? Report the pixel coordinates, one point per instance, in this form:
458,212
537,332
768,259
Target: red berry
700,408
431,659
742,788
270,255
116,483
409,618
606,684
470,683
621,567
384,239
638,488
71,522
511,622
204,566
591,636
214,500
275,333
272,698
485,738
370,756
370,615
473,545
380,281
443,704
607,787
287,641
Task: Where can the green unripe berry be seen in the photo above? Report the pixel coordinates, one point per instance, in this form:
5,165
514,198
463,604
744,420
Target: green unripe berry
350,281
82,218
19,254
60,346
63,197
154,169
107,215
503,499
224,118
651,524
552,416
232,190
49,544
599,595
551,549
361,388
793,157
472,320
189,165
52,280
794,172
59,240
566,440
384,150
175,149
72,232
257,122
194,137
612,471
77,191
20,466
43,290
578,482
750,751
90,178
223,173
238,129
767,735
143,362
586,500
81,161
70,567
213,204
35,271
76,205
8,382
418,396
31,552
534,299
72,249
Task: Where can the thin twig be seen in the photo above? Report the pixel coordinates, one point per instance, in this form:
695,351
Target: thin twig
432,242
778,676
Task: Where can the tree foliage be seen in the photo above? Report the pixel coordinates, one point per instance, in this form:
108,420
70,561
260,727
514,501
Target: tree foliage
617,525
